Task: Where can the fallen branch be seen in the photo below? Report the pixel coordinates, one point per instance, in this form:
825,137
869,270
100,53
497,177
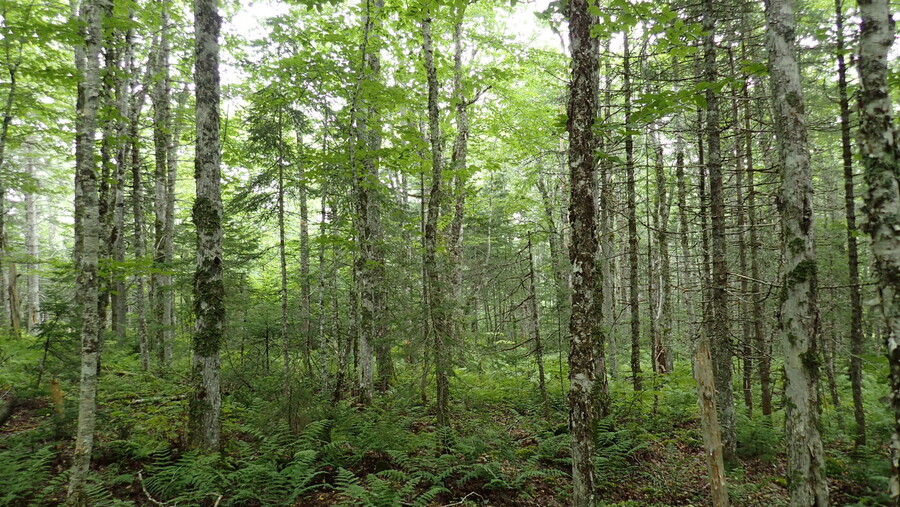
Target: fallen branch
144,488
463,499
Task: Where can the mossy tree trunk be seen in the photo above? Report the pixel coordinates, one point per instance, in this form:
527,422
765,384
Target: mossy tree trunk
582,106
87,240
799,321
209,288
881,164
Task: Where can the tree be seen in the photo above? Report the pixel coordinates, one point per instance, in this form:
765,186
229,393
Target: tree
856,314
878,144
87,240
721,333
798,322
209,288
582,105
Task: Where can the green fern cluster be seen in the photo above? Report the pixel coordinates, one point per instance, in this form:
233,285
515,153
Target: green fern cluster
270,468
616,449
22,472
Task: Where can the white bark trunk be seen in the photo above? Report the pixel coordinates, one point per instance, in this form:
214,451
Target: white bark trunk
32,247
209,288
878,140
798,323
88,238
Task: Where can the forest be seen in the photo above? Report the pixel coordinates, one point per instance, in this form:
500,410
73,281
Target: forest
449,253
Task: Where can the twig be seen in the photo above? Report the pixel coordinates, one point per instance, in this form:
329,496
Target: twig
144,488
463,500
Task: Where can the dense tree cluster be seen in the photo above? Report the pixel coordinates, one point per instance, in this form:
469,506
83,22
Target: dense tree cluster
393,204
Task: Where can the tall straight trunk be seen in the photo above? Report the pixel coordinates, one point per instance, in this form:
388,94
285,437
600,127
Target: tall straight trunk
856,331
162,126
32,247
760,340
662,349
209,288
740,174
799,322
535,321
282,264
703,197
881,158
583,331
721,334
436,298
631,204
369,266
305,290
322,339
559,269
122,146
373,140
12,70
107,165
15,319
168,246
606,252
685,274
458,163
137,208
87,232
4,300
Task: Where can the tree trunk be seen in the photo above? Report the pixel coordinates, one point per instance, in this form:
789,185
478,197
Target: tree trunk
582,106
137,208
633,279
881,157
436,299
535,320
122,145
15,320
762,344
282,264
162,133
168,247
32,247
798,323
305,291
369,266
209,287
87,232
721,334
709,422
856,331
662,349
12,69
746,323
606,251
460,176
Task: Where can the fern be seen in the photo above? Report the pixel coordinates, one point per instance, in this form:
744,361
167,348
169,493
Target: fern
22,470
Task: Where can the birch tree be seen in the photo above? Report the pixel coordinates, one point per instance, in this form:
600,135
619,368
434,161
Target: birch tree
87,239
798,322
209,288
881,164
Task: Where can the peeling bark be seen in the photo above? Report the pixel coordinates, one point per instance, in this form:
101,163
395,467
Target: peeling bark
583,331
87,232
799,320
878,144
209,288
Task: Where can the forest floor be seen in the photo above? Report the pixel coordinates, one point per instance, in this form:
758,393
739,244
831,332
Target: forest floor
501,450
